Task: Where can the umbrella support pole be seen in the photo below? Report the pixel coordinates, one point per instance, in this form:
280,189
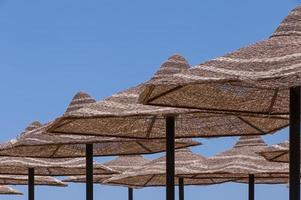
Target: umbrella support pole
294,144
30,183
89,171
170,158
181,188
130,194
251,187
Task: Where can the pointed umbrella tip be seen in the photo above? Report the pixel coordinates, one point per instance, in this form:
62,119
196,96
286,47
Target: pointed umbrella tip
173,65
186,149
290,26
177,57
247,141
80,100
33,125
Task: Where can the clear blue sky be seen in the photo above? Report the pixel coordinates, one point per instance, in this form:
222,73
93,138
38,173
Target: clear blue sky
51,49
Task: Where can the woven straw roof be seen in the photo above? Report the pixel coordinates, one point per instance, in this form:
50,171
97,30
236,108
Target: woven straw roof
153,173
48,167
6,190
277,153
23,180
253,79
242,160
263,180
35,141
120,164
122,116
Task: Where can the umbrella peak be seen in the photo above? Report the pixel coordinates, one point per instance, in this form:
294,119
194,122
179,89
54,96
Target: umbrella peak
80,100
247,141
33,125
291,25
173,65
123,163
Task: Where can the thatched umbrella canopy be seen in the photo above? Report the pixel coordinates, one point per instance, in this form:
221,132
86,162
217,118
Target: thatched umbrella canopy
121,115
277,153
48,167
243,160
23,180
120,164
36,142
6,190
153,173
253,80
246,166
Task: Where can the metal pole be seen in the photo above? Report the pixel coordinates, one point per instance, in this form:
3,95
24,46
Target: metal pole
30,183
294,137
251,187
181,188
170,158
89,171
130,193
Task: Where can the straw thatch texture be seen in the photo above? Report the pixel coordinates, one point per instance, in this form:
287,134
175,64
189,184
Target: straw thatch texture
120,164
153,173
5,190
277,153
23,180
254,79
35,141
243,160
122,116
49,167
264,180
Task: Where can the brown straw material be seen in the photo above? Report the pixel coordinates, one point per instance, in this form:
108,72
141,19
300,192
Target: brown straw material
6,190
23,180
49,167
153,173
277,153
122,116
264,180
35,141
120,164
243,160
252,80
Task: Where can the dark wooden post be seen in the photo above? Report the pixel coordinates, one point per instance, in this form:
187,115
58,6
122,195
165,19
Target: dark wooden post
170,158
181,188
294,137
30,183
251,187
89,171
130,193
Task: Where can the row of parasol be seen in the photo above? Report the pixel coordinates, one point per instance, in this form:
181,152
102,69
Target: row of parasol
250,92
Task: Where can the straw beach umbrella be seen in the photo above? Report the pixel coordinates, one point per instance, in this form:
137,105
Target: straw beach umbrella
120,164
5,190
35,141
23,180
260,79
245,165
152,174
121,115
46,167
277,153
